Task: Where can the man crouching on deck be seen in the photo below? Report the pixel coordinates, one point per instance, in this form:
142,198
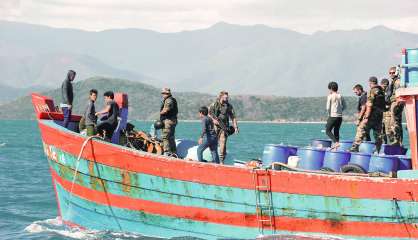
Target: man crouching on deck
109,123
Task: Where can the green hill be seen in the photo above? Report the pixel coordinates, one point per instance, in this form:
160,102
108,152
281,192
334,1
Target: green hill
144,102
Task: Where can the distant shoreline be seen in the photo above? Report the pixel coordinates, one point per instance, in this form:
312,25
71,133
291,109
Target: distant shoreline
196,121
270,122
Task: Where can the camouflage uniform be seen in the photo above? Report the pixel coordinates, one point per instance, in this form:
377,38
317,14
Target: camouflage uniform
375,101
396,110
387,133
169,120
223,112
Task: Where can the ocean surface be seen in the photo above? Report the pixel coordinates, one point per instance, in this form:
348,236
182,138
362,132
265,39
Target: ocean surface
27,202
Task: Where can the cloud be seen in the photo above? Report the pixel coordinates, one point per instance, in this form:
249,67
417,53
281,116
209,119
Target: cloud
171,16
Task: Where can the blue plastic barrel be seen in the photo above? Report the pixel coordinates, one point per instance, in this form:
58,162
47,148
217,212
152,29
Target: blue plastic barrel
336,159
367,147
277,153
388,149
404,162
409,61
311,158
345,145
383,163
361,159
293,151
321,143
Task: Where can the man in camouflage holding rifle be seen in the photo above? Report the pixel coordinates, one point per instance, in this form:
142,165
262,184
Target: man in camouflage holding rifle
221,112
396,107
168,116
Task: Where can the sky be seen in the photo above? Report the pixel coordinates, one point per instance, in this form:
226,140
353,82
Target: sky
306,16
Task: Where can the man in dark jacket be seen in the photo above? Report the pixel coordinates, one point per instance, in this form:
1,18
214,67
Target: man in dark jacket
89,118
67,97
109,123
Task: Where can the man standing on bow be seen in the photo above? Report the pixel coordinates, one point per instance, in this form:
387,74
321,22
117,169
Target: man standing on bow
67,97
168,116
221,111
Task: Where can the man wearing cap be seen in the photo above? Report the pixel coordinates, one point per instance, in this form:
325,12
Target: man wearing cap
221,111
396,107
372,117
168,115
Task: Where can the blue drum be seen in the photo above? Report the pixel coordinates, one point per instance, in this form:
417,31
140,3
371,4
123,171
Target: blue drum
277,153
404,162
335,160
311,158
367,147
345,145
361,159
383,163
321,143
410,64
388,149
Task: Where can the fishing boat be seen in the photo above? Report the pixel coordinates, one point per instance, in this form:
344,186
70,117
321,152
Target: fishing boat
102,185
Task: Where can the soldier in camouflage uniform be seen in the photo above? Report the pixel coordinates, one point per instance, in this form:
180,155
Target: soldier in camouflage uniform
373,117
396,108
168,116
221,112
386,123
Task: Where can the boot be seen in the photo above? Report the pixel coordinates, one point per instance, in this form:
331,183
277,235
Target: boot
354,148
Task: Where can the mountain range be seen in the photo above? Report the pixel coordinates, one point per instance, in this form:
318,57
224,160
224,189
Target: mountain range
145,100
257,59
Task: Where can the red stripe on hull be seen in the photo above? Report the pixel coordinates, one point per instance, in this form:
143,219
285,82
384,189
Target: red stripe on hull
372,229
282,181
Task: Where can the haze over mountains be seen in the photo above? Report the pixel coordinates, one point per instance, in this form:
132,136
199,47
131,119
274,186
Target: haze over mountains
242,59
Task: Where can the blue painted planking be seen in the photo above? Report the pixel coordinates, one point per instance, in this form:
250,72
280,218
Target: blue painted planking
408,174
86,213
159,189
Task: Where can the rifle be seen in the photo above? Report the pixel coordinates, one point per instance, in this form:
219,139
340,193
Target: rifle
228,130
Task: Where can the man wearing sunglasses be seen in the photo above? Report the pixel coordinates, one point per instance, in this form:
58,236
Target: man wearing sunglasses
396,107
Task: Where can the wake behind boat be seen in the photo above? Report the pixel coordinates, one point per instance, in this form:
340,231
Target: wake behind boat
107,186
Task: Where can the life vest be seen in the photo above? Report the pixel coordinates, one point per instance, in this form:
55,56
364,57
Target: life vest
379,102
172,113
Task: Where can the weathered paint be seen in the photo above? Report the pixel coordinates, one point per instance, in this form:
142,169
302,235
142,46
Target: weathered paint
225,198
139,192
338,212
194,216
302,183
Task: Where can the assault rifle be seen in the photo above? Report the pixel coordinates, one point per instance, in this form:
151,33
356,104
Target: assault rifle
228,130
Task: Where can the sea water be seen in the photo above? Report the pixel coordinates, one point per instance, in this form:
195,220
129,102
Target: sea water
27,202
